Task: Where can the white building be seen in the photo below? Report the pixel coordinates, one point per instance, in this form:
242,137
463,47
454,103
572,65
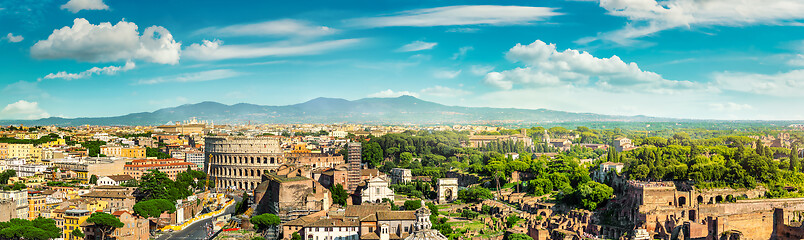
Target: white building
114,180
332,229
376,189
338,134
23,169
195,157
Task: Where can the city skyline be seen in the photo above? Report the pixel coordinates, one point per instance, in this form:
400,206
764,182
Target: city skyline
682,59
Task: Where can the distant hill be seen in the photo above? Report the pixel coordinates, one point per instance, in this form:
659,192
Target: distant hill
400,110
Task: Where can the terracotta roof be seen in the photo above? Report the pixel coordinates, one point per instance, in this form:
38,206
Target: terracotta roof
395,215
362,211
370,236
106,194
301,221
120,178
118,213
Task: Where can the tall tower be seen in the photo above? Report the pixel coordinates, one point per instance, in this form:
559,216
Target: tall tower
353,177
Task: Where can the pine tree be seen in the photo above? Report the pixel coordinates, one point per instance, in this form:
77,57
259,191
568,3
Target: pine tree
794,164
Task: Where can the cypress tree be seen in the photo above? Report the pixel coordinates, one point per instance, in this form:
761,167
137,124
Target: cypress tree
794,163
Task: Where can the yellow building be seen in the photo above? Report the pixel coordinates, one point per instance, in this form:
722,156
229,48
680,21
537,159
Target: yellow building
3,150
57,142
133,152
36,204
24,151
120,151
73,219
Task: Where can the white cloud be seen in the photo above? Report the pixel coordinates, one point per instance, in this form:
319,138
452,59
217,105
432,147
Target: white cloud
417,46
650,16
481,70
194,77
23,110
215,50
797,60
446,74
460,16
787,84
545,66
75,6
392,94
110,70
729,107
462,52
12,38
106,42
463,30
282,28
441,91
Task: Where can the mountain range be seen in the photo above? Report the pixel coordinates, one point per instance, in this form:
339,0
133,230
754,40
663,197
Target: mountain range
400,110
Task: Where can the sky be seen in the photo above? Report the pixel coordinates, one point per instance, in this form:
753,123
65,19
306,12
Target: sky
712,59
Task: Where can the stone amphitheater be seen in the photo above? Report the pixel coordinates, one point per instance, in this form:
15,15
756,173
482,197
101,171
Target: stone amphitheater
238,162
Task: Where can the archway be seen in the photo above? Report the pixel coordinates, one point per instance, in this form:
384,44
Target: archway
700,199
448,193
718,199
682,201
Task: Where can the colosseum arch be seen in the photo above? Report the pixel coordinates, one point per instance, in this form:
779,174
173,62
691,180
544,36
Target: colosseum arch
700,199
272,160
718,199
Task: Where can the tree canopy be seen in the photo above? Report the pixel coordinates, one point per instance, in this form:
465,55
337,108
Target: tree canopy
105,222
154,207
265,221
38,229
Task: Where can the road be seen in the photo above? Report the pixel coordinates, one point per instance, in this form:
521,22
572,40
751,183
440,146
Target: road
197,230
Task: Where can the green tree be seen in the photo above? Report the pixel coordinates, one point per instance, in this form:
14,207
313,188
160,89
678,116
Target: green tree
372,154
295,236
794,163
243,205
105,222
474,194
339,195
153,208
412,205
155,185
5,175
38,229
93,179
518,236
511,220
265,221
76,233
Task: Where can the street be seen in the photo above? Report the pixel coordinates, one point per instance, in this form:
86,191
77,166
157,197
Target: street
197,230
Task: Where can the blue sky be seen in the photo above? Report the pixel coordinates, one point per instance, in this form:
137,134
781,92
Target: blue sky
716,59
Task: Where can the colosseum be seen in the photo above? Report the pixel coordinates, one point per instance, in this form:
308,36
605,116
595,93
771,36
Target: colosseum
238,162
